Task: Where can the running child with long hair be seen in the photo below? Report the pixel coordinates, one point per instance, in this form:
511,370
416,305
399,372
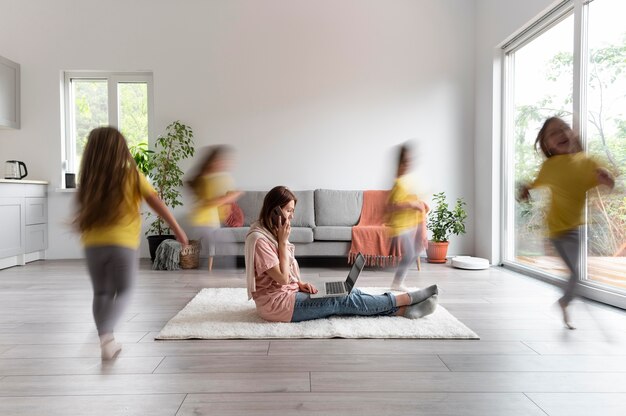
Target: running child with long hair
108,218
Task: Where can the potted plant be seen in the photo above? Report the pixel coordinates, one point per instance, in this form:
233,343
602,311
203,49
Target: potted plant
442,222
174,145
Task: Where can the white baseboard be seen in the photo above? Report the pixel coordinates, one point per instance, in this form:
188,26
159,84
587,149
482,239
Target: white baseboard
37,255
12,261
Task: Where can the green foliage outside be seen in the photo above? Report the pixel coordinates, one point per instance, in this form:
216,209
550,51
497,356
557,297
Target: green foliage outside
605,141
443,221
91,111
133,112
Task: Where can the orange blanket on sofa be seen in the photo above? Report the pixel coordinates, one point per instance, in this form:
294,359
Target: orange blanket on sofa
370,236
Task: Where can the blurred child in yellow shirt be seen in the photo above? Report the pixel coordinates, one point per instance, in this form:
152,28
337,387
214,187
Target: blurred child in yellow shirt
212,187
568,173
406,218
109,197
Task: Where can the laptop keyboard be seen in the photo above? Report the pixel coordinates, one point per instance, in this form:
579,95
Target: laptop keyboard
334,288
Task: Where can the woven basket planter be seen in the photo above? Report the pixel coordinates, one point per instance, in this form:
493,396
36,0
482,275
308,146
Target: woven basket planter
190,255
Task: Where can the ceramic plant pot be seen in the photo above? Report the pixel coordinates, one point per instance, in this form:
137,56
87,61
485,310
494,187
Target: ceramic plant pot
436,252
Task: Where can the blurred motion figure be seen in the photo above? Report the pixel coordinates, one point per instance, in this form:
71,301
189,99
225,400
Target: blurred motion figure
568,173
406,217
108,218
212,186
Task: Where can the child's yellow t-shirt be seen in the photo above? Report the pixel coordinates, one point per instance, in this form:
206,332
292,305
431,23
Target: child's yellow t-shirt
210,187
126,230
400,221
568,177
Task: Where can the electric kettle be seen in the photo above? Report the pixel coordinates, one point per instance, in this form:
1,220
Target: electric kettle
13,169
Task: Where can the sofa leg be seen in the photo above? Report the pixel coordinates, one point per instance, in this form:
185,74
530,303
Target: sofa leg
210,263
419,264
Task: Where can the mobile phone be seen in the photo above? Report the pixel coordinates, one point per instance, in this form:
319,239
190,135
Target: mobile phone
276,214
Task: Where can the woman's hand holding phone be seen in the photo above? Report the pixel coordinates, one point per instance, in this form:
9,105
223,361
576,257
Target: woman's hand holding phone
283,225
277,216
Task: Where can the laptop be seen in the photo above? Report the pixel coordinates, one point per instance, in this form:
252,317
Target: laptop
341,287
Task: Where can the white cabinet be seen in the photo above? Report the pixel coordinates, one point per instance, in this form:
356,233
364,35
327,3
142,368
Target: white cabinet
36,239
23,221
36,210
9,94
11,220
36,214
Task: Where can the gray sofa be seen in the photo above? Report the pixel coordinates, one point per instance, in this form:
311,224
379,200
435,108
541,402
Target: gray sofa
322,223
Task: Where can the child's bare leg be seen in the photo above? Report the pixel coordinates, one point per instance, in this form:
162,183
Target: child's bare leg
568,247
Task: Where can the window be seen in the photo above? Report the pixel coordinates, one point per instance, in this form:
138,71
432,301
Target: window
571,63
123,100
537,91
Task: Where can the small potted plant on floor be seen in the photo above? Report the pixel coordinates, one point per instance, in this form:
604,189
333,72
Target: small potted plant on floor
173,146
442,221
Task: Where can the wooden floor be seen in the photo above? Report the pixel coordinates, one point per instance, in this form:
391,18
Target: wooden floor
609,271
525,363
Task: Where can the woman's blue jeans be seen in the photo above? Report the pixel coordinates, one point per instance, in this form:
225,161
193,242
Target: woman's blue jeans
356,303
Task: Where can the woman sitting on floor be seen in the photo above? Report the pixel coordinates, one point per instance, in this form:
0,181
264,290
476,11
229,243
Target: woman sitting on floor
273,275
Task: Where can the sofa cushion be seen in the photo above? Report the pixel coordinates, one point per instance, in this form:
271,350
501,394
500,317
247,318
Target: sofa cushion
301,235
336,207
304,216
231,234
332,233
250,203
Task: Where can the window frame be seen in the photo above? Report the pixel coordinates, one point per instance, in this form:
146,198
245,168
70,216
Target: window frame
113,79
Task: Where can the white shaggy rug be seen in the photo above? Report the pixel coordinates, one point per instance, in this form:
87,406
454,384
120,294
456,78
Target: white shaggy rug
225,313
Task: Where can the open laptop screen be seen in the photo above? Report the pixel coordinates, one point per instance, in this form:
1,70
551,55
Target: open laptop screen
358,265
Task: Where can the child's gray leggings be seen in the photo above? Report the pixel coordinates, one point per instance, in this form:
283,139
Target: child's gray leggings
568,246
411,246
112,270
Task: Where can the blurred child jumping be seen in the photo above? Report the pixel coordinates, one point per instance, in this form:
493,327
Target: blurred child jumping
109,198
212,186
568,173
407,218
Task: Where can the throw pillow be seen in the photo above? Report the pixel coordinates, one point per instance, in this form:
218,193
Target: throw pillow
235,217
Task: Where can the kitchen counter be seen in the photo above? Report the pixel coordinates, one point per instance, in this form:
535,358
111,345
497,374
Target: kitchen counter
23,181
23,221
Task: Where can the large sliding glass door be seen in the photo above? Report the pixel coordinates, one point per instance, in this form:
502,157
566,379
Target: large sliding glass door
537,90
570,64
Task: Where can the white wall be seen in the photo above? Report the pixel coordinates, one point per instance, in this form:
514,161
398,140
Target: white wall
313,94
496,21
